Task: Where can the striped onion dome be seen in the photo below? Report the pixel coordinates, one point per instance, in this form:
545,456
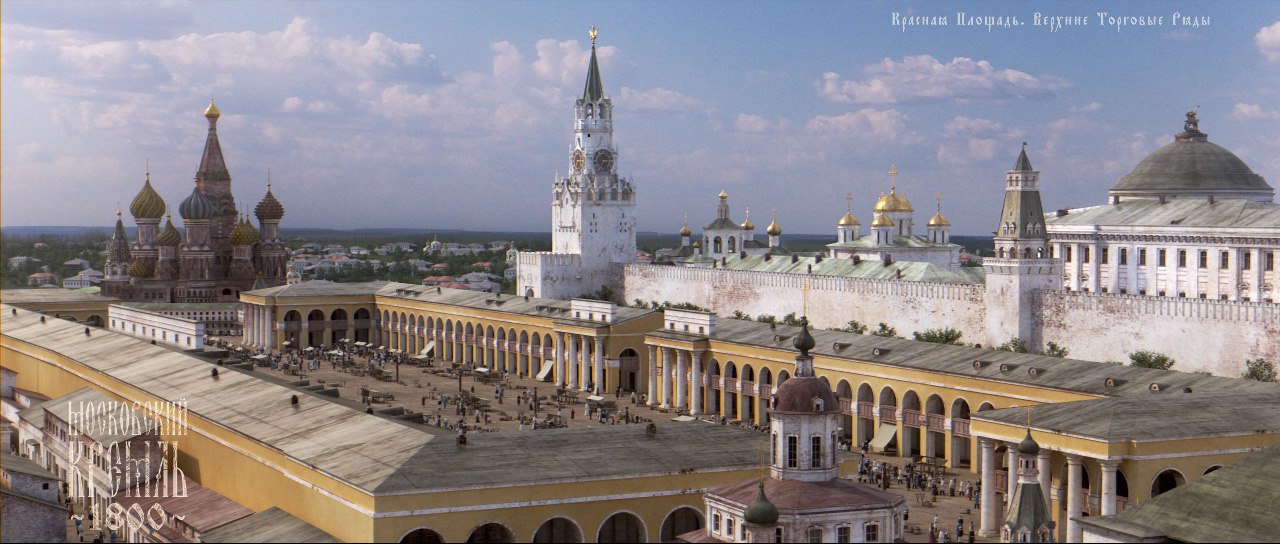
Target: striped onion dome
244,234
148,204
169,236
269,209
196,206
138,269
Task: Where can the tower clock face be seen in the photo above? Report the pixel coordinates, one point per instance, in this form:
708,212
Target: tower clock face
577,160
604,161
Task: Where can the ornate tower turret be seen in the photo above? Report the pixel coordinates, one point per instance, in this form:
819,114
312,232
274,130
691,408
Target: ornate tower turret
1029,518
116,270
270,253
848,228
167,243
1021,267
761,518
147,208
196,272
213,179
242,239
804,421
939,227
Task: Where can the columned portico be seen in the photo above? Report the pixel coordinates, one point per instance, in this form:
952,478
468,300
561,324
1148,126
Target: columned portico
990,510
1074,498
1109,467
1044,474
1011,480
667,377
652,398
598,380
695,409
560,379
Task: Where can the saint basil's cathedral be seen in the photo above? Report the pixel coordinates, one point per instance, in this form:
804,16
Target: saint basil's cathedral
218,253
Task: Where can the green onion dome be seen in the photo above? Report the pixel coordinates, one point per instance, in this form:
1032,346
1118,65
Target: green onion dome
196,206
148,204
138,269
169,236
269,209
761,511
1028,446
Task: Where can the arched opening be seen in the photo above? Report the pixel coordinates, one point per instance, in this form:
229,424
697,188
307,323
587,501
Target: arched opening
731,389
622,527
713,378
681,521
535,356
362,317
490,357
491,532
888,412
1210,469
523,361
783,376
338,323
558,530
469,345
733,244
866,414
629,370
315,328
422,535
844,392
1122,491
1167,479
961,443
528,293
717,245
912,421
935,437
748,388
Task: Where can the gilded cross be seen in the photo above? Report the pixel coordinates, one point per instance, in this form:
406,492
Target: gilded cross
593,36
848,199
893,177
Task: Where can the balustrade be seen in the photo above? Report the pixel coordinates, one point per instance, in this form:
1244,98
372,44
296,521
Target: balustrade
936,423
960,427
912,418
846,406
866,411
888,413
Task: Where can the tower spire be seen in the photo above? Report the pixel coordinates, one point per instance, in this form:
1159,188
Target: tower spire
593,91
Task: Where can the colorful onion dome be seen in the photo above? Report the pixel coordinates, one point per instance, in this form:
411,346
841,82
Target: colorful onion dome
244,234
196,207
148,204
269,209
138,269
169,235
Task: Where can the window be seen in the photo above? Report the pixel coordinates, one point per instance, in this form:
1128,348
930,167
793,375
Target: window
1248,261
742,532
1124,256
715,522
1102,255
844,534
1084,255
1160,258
1182,258
1142,257
777,535
1204,259
773,450
1066,254
1226,260
871,532
815,452
793,451
728,526
1271,261
815,535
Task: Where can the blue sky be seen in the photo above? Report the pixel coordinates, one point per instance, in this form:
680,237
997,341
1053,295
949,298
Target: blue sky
457,115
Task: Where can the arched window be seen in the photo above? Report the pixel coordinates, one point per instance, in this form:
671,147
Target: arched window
733,244
815,449
717,246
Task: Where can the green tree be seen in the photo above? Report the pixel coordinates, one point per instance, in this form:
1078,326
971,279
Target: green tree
1151,359
886,331
1016,345
604,293
945,335
766,318
854,326
791,319
1052,349
1260,370
739,314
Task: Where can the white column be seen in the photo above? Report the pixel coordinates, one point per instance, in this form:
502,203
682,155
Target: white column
695,408
1109,486
666,377
682,379
1012,480
990,510
271,327
559,359
1095,267
652,398
584,362
1045,470
573,359
599,367
1075,533
1256,277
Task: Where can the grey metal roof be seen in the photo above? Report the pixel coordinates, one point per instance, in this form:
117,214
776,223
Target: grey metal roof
1174,214
18,297
1236,503
912,241
722,223
270,525
316,288
546,307
1052,372
1166,415
14,463
177,306
589,453
1190,164
867,268
106,422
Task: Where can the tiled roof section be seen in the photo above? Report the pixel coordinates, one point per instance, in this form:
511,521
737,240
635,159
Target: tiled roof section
212,165
1176,213
112,421
1051,372
548,307
1236,503
270,525
867,269
792,496
13,463
593,90
202,508
1149,415
118,247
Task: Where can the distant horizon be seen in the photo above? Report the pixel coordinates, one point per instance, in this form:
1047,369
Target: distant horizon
384,114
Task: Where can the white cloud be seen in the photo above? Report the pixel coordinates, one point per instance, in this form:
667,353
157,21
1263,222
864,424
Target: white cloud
291,104
962,124
655,99
1092,106
1249,112
923,77
1268,40
864,123
751,123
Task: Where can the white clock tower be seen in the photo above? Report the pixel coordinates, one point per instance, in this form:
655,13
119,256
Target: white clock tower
593,221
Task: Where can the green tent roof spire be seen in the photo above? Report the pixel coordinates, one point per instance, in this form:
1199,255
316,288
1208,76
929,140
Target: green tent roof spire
1023,164
593,91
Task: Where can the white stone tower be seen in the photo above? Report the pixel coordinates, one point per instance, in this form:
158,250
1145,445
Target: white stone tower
1021,267
803,421
593,220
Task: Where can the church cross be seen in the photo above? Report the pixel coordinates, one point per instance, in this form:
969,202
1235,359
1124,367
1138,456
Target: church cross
848,199
893,177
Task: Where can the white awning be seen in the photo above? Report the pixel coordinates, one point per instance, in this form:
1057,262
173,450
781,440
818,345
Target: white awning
544,374
431,345
482,370
362,343
684,418
334,352
259,357
287,344
883,436
595,398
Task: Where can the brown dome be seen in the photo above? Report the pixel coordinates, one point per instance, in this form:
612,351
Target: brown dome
797,395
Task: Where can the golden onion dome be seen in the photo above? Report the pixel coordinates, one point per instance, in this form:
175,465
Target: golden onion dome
724,195
773,229
138,269
684,231
882,221
169,236
893,202
848,220
147,204
697,245
244,234
212,112
748,225
939,221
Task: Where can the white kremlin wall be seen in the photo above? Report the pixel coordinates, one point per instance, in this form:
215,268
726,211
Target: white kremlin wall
1203,335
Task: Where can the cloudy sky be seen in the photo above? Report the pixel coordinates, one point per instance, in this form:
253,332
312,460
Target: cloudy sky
457,115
